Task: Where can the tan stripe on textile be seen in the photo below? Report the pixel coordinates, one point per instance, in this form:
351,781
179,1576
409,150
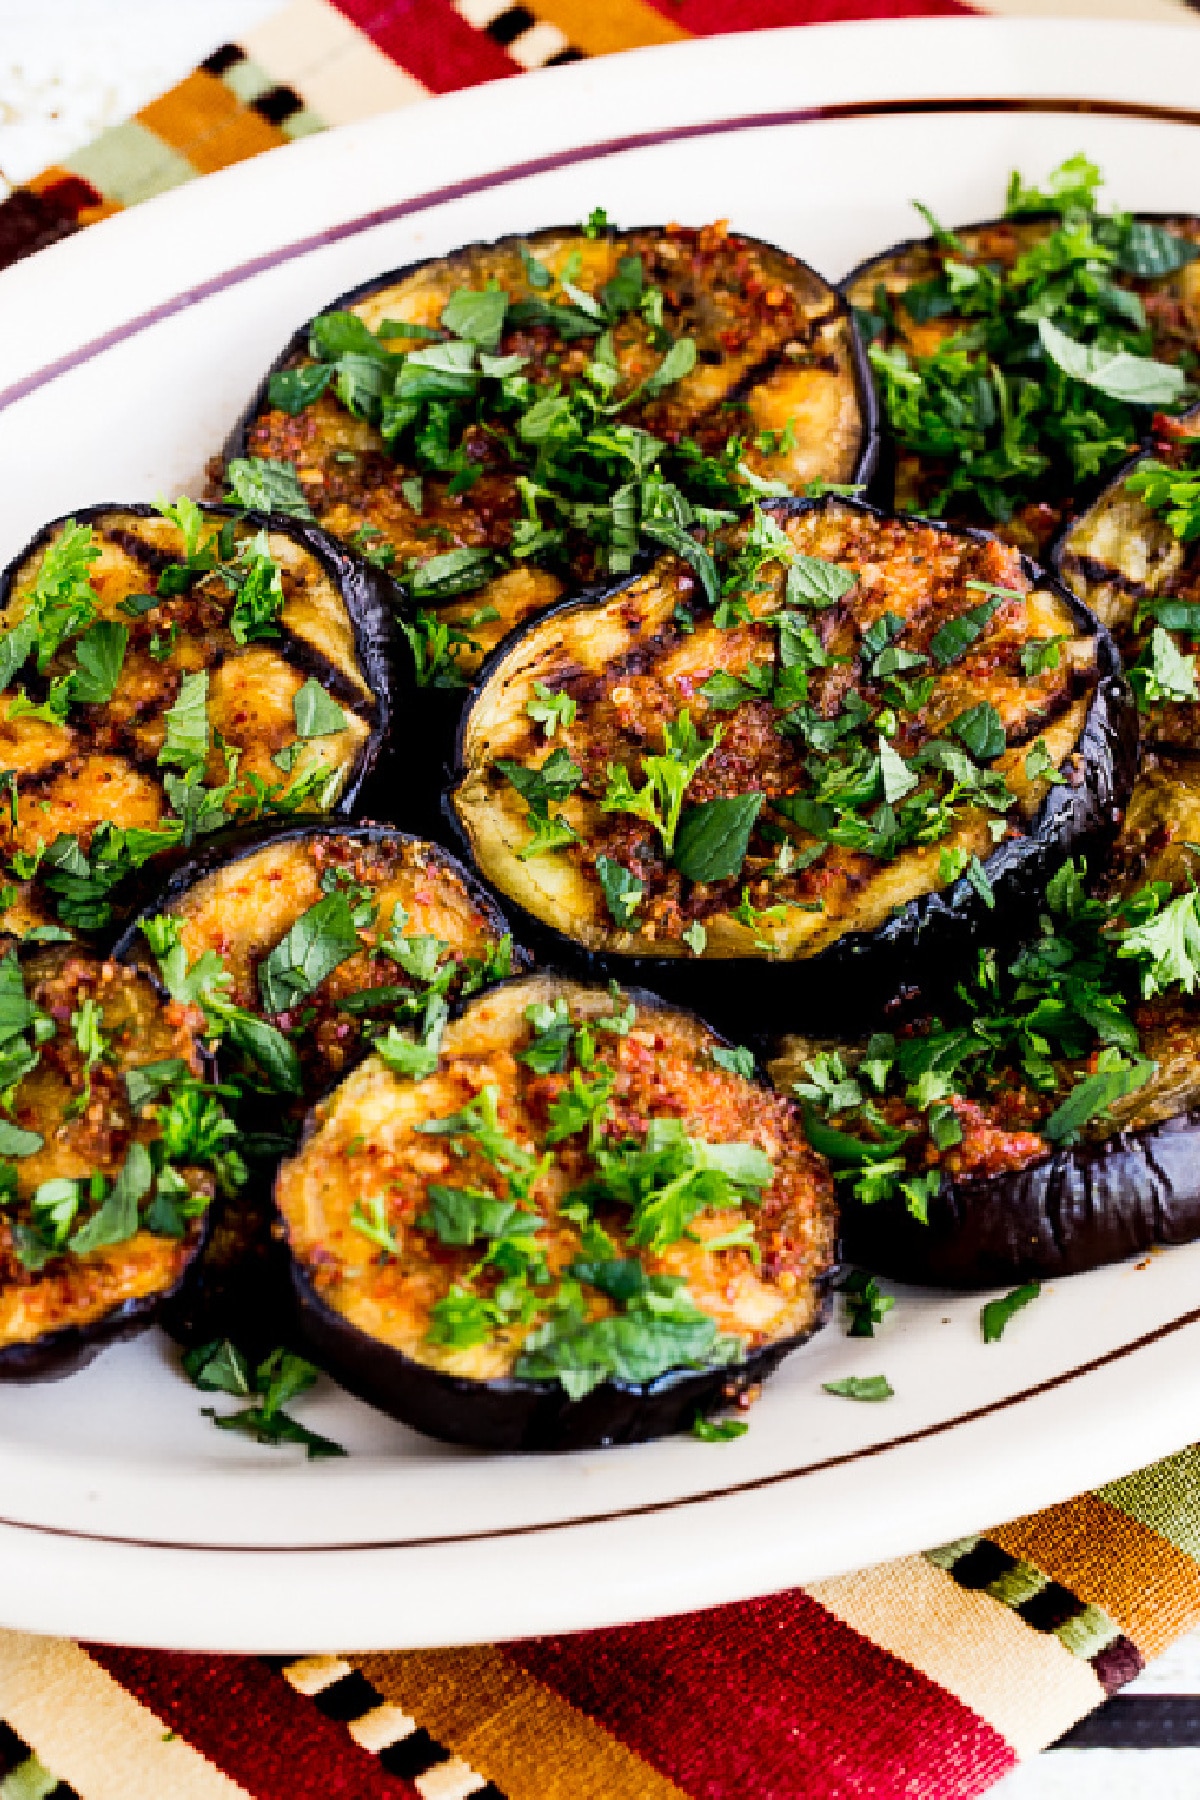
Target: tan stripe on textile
1024,1683
502,1722
614,25
1167,12
1151,1589
333,66
96,1737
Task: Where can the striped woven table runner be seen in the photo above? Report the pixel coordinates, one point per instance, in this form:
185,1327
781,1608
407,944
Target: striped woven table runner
928,1677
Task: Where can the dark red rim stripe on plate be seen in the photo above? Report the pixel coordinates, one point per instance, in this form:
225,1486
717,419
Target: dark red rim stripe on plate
540,165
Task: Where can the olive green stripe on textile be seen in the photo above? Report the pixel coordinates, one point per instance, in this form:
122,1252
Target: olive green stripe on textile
22,1776
1165,1498
1044,1605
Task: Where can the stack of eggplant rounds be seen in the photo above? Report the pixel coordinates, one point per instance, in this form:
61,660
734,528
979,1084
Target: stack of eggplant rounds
165,671
515,421
801,765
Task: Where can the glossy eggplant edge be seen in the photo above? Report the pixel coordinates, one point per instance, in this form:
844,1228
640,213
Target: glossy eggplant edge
1075,1209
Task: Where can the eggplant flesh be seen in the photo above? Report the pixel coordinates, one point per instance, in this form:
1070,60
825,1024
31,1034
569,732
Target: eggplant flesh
115,761
777,363
60,1307
848,931
1123,560
239,899
910,480
366,1314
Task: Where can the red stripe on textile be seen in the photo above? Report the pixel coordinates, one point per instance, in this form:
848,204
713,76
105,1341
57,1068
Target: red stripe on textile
431,41
773,1698
710,18
245,1718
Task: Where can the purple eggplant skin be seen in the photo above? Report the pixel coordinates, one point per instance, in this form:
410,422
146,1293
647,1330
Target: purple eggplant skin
239,1287
511,1415
1076,1209
927,945
65,1352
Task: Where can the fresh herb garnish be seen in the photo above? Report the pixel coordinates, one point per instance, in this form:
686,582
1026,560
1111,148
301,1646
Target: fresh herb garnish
1049,371
860,1387
220,1367
995,1315
718,1431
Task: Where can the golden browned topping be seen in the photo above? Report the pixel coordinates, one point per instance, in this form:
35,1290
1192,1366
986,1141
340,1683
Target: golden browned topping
335,938
165,675
1020,359
867,709
109,1142
585,1186
482,452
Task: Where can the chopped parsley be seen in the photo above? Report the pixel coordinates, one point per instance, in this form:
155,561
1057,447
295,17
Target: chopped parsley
1049,371
860,1387
1055,1022
995,1315
657,1182
220,1367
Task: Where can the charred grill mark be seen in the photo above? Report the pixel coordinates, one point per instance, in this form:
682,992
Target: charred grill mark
757,375
1102,574
1036,720
308,660
149,556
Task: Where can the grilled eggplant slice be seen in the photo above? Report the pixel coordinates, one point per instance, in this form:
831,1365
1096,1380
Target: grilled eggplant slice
1048,1123
574,360
167,675
836,749
319,940
108,1156
587,1224
1134,566
1019,463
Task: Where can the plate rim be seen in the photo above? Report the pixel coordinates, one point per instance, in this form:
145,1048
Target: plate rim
611,71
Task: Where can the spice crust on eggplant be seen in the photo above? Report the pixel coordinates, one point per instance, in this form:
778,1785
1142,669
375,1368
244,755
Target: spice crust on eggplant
168,674
364,933
912,300
583,1226
658,347
106,1157
865,861
1048,1123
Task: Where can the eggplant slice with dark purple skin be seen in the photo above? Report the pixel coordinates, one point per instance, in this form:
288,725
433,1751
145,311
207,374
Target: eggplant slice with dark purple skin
166,676
589,1223
494,456
1047,1122
318,940
815,798
995,432
110,1152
